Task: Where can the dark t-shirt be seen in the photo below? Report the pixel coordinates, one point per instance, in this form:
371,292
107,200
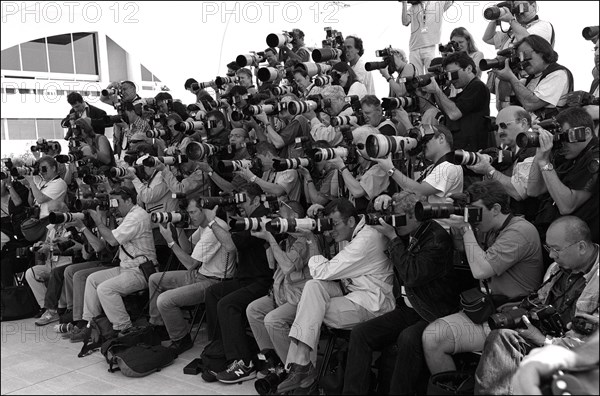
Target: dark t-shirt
470,132
251,253
298,127
577,174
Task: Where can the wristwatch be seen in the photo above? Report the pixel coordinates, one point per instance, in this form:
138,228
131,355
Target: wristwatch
171,244
465,228
390,173
547,168
80,230
490,174
210,224
209,173
253,179
388,79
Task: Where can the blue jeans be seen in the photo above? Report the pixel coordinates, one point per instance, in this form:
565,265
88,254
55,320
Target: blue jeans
503,352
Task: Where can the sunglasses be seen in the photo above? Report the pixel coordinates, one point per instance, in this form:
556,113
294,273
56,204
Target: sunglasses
505,125
43,169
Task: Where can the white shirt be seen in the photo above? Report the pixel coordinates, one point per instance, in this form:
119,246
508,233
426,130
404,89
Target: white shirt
216,261
55,189
425,32
520,175
552,88
135,235
358,89
364,76
447,178
332,134
363,268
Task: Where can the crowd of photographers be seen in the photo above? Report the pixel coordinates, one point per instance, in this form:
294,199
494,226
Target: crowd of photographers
288,196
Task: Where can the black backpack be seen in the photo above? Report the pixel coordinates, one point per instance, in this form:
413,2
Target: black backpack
213,357
128,338
101,331
17,302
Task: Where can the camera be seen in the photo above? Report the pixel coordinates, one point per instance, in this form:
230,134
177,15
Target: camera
386,54
71,157
544,317
156,133
250,59
495,157
220,81
408,103
236,165
325,154
372,219
203,85
245,224
283,90
189,127
268,384
20,171
118,171
580,98
314,69
198,151
583,326
180,217
269,109
280,165
238,115
590,32
333,38
498,11
514,60
23,252
61,218
427,211
347,120
449,48
111,91
297,107
101,199
269,74
91,180
211,202
379,146
170,160
282,225
45,146
323,80
532,139
275,40
320,55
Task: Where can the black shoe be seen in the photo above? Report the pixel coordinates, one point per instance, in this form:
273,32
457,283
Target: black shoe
182,345
209,376
162,332
66,317
40,313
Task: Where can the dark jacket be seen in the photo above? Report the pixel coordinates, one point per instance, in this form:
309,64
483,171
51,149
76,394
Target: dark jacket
426,270
96,115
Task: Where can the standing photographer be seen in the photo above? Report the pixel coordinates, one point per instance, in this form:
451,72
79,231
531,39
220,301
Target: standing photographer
464,41
321,129
46,187
298,53
82,109
571,287
344,76
373,113
508,263
353,52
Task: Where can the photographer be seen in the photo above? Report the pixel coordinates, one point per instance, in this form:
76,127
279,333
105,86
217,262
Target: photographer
426,31
465,43
571,287
320,128
373,113
294,126
344,76
512,121
422,256
298,53
271,182
208,263
404,69
193,181
271,316
46,187
304,84
95,147
226,302
178,141
509,265
126,92
82,109
353,52
440,179
104,290
203,99
572,187
547,83
219,134
134,125
322,184
245,76
351,288
48,253
466,112
370,180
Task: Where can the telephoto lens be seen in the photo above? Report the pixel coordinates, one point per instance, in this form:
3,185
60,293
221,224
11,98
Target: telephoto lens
245,224
296,107
280,165
61,218
94,179
189,127
372,219
226,166
155,133
323,80
72,157
396,103
285,89
344,120
169,217
379,146
325,154
510,319
426,211
119,171
320,55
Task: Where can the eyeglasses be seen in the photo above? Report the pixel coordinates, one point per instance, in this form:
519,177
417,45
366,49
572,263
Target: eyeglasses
557,251
43,169
505,125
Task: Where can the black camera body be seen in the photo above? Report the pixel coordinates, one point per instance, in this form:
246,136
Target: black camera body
532,139
515,60
372,219
429,211
497,11
44,146
224,200
449,48
544,317
100,199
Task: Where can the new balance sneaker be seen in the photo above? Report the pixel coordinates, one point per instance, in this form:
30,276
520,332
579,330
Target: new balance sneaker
48,317
298,377
237,372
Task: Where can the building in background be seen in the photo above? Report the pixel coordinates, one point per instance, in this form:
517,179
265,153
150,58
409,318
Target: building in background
37,76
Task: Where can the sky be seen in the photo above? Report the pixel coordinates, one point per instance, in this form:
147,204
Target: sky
178,40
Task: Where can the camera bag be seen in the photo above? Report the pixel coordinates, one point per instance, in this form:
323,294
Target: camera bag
141,360
34,229
477,305
17,302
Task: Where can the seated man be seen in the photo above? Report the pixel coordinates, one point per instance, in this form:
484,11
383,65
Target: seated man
547,83
322,183
571,287
510,267
320,128
208,263
440,179
104,290
512,121
422,255
373,113
226,301
271,316
351,288
572,187
46,187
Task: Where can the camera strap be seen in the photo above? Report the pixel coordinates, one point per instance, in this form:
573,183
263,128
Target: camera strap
449,156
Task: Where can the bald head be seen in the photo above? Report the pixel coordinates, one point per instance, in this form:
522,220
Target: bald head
511,121
572,228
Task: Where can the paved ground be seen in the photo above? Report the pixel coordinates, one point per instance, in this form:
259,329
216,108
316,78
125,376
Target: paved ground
36,360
